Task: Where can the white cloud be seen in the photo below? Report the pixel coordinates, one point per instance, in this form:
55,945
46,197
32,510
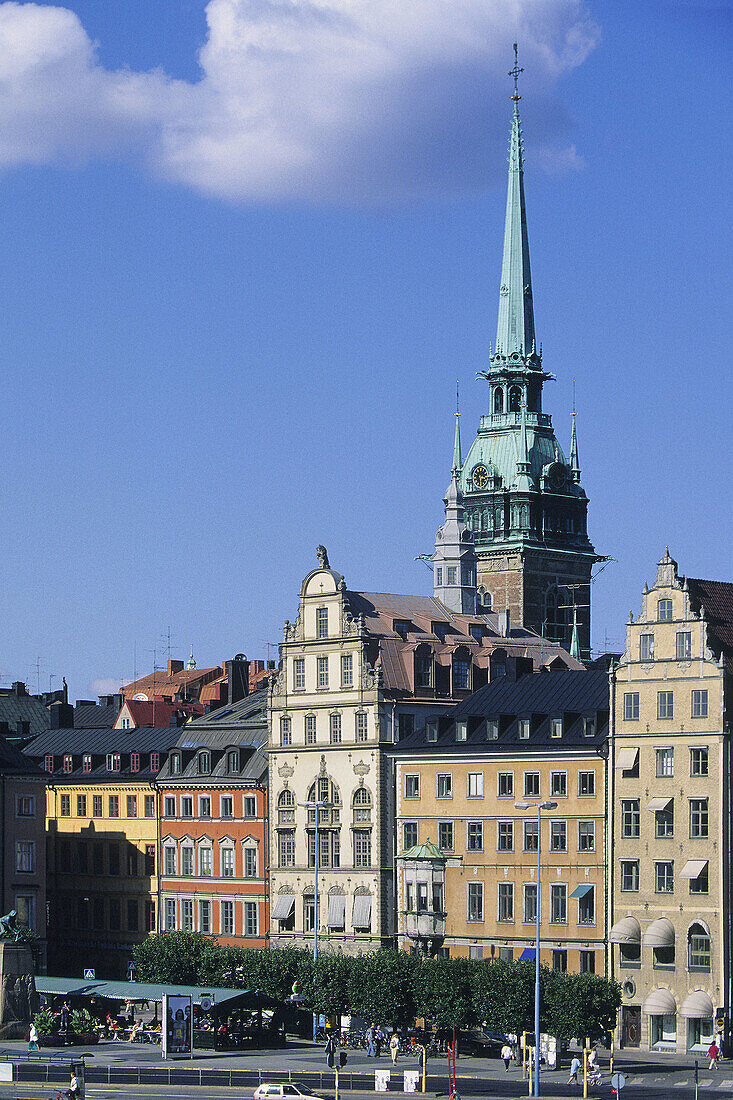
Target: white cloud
106,685
315,100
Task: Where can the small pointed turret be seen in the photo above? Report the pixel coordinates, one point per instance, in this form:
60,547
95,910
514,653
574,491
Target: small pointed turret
524,466
574,642
454,560
574,463
515,328
457,457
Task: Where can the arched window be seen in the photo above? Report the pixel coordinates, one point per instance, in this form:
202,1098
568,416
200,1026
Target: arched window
286,731
462,669
698,948
484,599
362,805
498,400
286,808
515,398
554,616
423,666
204,763
329,827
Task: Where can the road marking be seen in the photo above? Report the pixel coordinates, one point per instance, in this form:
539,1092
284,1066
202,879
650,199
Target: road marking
635,1081
726,1084
680,1084
706,1080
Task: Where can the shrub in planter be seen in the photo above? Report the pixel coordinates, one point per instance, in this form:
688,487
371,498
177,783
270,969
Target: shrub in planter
45,1020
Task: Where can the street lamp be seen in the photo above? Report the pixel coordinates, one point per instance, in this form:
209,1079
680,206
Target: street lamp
318,805
540,806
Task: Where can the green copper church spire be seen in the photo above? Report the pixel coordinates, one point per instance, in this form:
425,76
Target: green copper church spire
515,328
574,462
457,457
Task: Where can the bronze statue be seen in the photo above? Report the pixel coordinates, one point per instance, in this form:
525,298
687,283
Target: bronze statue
322,555
9,927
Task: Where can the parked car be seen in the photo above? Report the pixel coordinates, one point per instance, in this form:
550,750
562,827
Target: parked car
289,1091
480,1044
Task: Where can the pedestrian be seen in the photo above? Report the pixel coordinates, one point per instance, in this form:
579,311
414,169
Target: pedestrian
371,1031
33,1038
331,1051
394,1047
713,1054
592,1060
65,1020
73,1090
378,1040
574,1070
506,1053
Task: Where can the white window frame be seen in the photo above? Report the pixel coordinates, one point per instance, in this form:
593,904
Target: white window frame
475,779
592,792
592,833
412,788
447,785
477,888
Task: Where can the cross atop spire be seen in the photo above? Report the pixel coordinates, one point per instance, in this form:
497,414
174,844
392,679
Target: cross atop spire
515,73
457,456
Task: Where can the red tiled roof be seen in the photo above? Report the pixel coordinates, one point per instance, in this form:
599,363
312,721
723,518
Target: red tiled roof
717,599
169,684
157,714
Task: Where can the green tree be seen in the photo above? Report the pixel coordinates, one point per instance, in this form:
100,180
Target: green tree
442,991
179,958
582,1005
380,987
503,995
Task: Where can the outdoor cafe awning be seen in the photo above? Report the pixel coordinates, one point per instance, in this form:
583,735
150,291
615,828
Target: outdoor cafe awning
129,991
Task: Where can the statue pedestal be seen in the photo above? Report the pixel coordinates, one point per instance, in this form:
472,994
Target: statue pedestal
18,997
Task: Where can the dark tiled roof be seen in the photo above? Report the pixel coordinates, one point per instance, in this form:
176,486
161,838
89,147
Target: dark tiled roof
99,742
539,696
241,725
14,762
717,599
15,709
90,715
235,716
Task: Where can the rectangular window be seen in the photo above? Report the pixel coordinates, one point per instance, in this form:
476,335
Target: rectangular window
699,761
322,622
204,806
665,704
505,836
361,726
664,610
226,917
227,806
409,834
475,786
226,858
335,728
299,674
445,836
505,784
586,836
134,761
505,901
347,670
132,805
133,913
444,783
412,786
132,862
439,576
698,817
186,806
531,836
631,706
699,953
531,784
113,859
589,727
322,668
558,784
25,805
286,847
309,914
170,915
98,914
646,647
149,805
699,885
524,729
665,763
48,763
362,847
25,856
699,704
250,863
113,762
475,836
169,860
664,822
452,574
461,675
630,817
587,907
560,960
250,806
664,877
169,806
556,727
461,729
155,762
151,924
86,762
114,805
492,729
529,903
586,784
405,725
187,915
81,805
205,917
65,805
424,670
286,731
310,729
630,876
98,859
250,918
68,763
587,962
475,901
206,862
558,904
558,836
149,859
684,645
187,861
96,805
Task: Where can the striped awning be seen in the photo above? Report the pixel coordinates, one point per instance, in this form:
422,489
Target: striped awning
336,910
283,907
361,917
697,1006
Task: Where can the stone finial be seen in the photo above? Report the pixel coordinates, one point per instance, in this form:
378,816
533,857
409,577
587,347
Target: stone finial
322,555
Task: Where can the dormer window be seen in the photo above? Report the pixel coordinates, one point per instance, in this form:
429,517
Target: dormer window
175,763
492,729
155,761
556,727
232,761
134,761
438,629
477,632
126,723
462,729
204,763
431,729
113,761
524,729
589,727
401,627
68,763
86,762
48,763
664,610
322,622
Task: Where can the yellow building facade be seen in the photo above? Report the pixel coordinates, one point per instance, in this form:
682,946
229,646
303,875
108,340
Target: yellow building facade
541,738
670,804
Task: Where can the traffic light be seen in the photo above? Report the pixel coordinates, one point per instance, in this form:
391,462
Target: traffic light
342,1058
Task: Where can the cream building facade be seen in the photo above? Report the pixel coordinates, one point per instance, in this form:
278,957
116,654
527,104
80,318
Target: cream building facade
670,941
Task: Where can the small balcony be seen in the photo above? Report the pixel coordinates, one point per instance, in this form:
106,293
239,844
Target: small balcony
425,925
514,420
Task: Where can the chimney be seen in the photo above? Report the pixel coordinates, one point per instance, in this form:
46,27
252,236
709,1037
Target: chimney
270,664
504,623
516,667
61,716
174,666
237,672
19,688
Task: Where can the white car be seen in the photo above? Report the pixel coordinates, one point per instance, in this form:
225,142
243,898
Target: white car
289,1091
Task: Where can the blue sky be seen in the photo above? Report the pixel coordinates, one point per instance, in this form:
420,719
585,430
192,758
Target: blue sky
248,249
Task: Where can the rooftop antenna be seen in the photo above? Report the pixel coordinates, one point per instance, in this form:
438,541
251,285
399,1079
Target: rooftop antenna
515,73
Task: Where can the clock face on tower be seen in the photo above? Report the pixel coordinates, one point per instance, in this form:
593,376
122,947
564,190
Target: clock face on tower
480,476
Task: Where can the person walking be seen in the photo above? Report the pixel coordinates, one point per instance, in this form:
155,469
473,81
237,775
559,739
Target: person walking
65,1020
371,1031
574,1070
394,1047
713,1054
378,1040
331,1051
506,1053
33,1038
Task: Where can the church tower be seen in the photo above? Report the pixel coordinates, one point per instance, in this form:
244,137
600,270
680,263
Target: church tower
523,499
454,560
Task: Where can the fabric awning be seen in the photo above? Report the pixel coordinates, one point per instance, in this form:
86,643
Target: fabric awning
660,933
361,917
660,1002
528,954
336,910
659,803
626,930
582,890
693,868
283,907
626,759
697,1006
